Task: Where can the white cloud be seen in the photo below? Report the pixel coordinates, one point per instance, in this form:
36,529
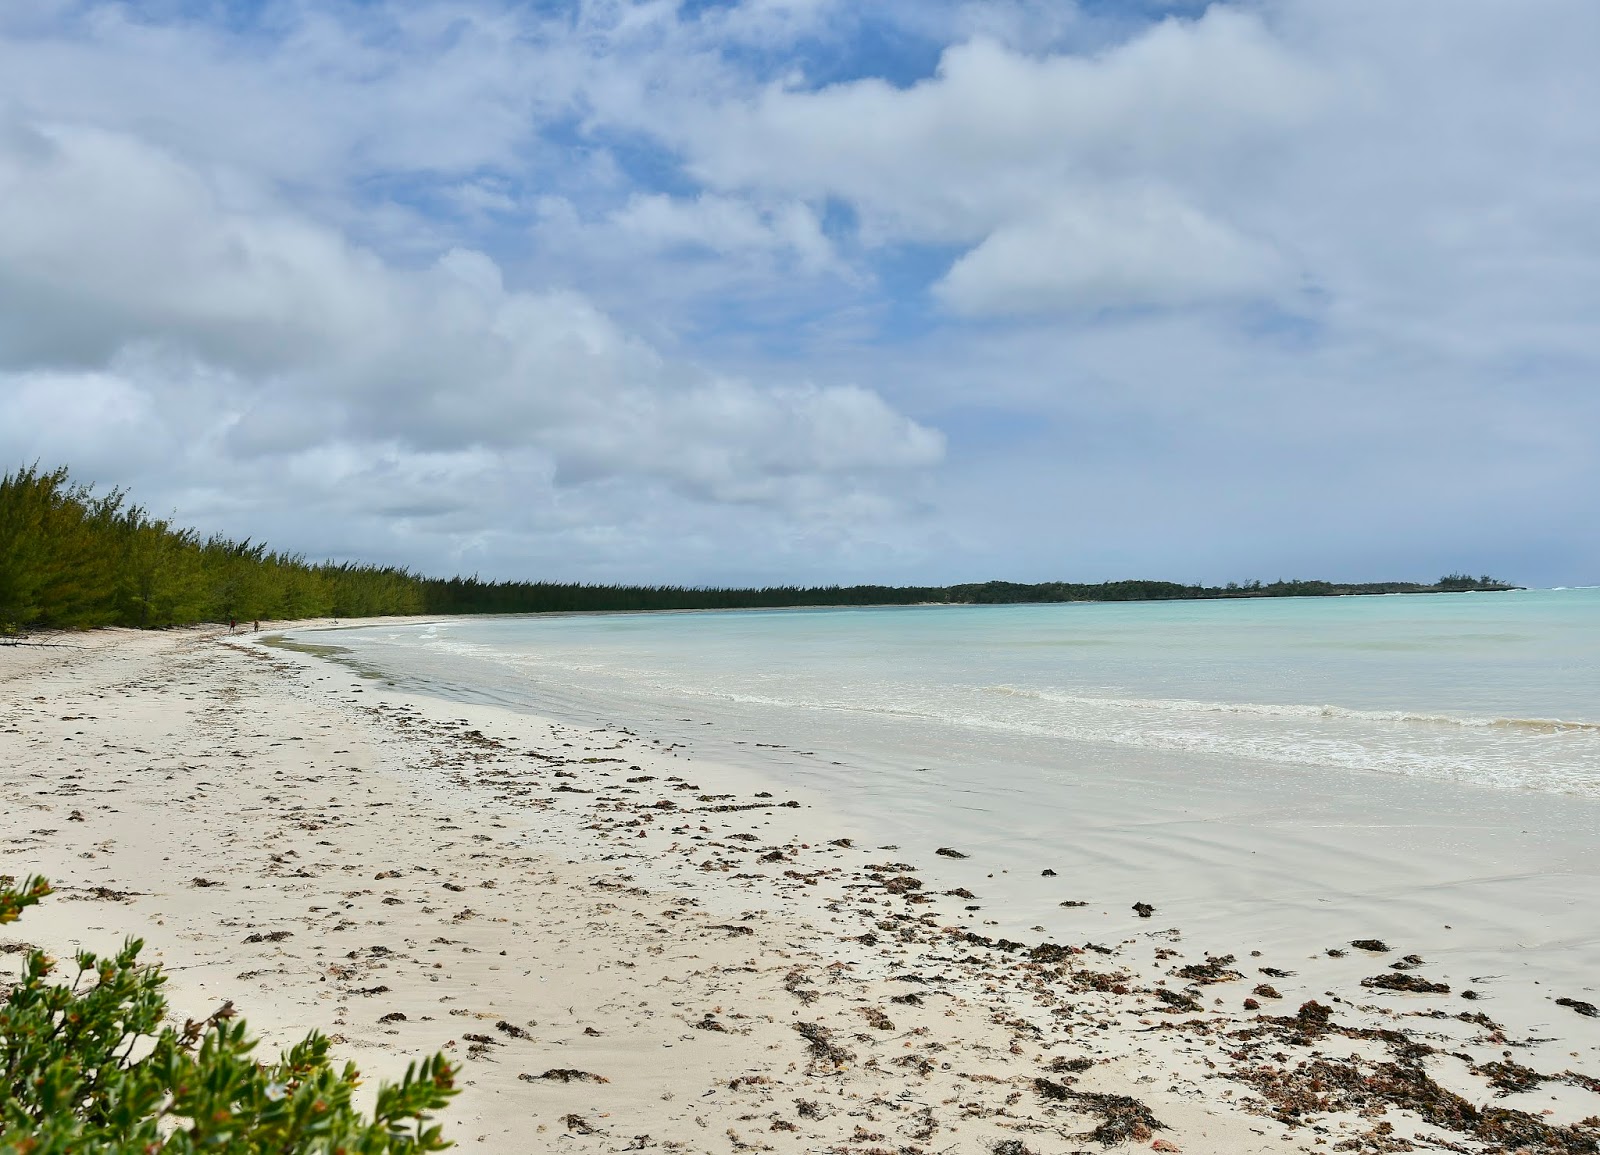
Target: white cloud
998,132
615,279
1140,248
110,246
727,226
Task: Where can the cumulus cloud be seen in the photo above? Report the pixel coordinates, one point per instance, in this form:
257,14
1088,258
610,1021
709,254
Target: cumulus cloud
110,246
868,286
1143,248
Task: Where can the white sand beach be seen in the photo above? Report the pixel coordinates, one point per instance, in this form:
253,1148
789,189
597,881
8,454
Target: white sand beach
629,948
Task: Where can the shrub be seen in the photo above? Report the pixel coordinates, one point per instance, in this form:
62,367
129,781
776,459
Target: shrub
91,1065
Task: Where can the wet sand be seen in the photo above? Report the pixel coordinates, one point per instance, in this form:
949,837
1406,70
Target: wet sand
629,948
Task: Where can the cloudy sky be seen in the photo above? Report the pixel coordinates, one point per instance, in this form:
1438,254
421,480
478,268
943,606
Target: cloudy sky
815,290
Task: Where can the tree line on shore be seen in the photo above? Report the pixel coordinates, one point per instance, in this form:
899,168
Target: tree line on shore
74,559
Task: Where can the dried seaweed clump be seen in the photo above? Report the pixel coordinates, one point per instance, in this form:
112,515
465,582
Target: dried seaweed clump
1412,984
565,1075
823,1049
1214,970
1123,1119
1371,1087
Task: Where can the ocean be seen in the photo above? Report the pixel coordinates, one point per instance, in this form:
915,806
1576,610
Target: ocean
1263,766
1493,690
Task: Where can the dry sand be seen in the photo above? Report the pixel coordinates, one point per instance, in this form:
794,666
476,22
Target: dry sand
630,949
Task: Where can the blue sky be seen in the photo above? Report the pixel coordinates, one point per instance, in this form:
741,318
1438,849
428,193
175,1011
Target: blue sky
801,290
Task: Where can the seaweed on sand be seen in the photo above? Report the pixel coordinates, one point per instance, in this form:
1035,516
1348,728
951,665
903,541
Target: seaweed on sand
1214,970
565,1075
1123,1119
1177,1000
1321,1084
822,1047
1411,984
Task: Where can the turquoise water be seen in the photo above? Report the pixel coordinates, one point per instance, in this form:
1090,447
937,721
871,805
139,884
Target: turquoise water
1482,690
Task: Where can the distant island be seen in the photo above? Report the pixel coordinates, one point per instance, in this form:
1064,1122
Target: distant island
70,559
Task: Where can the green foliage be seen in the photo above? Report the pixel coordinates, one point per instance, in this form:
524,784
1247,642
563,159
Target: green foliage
69,559
1455,582
90,1065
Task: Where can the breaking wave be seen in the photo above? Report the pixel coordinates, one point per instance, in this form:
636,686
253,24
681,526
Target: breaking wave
1273,710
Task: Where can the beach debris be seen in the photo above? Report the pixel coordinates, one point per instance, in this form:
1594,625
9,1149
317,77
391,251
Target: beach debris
907,1000
577,1124
1583,1008
1049,952
203,882
393,1017
511,1029
820,1042
1047,873
876,1018
1266,991
795,983
921,1064
1178,1001
1107,982
1411,984
709,1023
1143,909
1296,1095
1375,945
1011,1147
960,892
1275,972
1123,1118
564,1075
949,853
1214,970
902,884
732,928
1072,902
1410,963
1508,1078
1062,1065
269,936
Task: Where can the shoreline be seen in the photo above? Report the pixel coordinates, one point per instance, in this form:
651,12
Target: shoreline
674,950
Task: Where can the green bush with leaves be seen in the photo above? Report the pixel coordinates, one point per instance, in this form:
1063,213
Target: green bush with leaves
91,1065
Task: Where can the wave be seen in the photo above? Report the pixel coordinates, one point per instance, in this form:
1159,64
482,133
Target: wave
1279,710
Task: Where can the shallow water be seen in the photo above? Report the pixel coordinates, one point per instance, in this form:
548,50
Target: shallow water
1494,690
1284,774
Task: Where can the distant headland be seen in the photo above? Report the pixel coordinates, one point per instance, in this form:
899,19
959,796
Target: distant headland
71,559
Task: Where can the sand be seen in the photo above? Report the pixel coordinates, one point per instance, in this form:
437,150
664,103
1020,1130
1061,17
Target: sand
630,948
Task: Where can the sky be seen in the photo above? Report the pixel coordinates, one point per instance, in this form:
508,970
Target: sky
770,291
